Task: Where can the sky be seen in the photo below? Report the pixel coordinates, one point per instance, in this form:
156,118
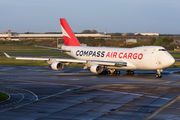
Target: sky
122,16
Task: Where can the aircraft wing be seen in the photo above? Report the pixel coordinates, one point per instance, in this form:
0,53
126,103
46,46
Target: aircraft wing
46,59
105,63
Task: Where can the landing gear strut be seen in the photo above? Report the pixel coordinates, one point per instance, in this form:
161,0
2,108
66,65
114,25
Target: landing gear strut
129,72
158,75
108,72
105,72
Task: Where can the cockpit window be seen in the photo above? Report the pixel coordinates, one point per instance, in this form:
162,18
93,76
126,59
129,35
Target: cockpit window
162,50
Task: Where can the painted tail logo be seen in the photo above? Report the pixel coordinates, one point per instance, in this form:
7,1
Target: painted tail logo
68,36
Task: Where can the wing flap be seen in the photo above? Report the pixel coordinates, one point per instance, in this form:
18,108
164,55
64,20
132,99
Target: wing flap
31,58
70,60
55,59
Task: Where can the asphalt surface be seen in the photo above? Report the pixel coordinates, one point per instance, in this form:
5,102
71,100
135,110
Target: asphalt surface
75,94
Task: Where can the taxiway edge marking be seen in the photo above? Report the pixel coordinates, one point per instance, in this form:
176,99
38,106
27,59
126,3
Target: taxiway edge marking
161,108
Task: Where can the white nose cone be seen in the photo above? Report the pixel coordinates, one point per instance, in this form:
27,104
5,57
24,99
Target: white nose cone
171,61
167,60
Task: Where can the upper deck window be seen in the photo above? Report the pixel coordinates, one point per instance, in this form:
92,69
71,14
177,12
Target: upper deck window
162,50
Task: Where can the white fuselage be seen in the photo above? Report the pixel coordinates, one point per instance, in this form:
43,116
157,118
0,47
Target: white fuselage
141,58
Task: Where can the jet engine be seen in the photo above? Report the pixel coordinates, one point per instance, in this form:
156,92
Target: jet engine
57,66
96,69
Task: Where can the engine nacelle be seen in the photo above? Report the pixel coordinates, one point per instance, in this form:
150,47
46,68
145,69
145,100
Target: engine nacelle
96,69
57,66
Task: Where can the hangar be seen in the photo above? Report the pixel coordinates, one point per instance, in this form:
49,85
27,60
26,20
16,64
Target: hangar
28,36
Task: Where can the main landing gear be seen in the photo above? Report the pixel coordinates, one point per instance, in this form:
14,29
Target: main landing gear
108,72
158,75
116,72
129,72
105,72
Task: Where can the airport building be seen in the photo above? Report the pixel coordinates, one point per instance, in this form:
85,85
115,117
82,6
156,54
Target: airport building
147,34
17,37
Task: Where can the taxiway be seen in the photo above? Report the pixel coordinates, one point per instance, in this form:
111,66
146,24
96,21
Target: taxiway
73,93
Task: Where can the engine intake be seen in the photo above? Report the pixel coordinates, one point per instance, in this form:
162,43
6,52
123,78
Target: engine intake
57,66
96,69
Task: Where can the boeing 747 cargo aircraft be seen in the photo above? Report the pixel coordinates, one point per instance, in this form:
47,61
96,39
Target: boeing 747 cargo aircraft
107,60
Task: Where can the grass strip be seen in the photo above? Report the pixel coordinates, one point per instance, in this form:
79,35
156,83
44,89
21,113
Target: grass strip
12,61
30,50
3,96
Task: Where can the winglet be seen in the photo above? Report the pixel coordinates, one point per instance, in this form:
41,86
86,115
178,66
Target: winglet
7,55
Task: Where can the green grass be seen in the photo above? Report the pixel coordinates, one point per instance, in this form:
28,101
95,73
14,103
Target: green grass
20,48
28,50
12,61
172,51
176,64
176,55
3,96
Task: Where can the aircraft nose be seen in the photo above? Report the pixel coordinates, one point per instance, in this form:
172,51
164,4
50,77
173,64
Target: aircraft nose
171,61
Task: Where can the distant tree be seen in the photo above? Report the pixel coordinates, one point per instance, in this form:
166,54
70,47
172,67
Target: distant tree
158,42
167,40
89,32
100,42
26,32
94,31
115,34
173,45
131,34
152,41
86,32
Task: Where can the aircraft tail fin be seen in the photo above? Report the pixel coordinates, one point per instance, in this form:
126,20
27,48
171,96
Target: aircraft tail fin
68,36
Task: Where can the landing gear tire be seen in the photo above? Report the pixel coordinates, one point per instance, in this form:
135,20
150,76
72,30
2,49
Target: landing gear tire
129,72
116,72
158,76
108,72
105,73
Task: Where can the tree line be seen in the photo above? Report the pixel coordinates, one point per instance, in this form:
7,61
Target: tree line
92,41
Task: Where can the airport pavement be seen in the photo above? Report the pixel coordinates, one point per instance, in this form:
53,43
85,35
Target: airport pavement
76,94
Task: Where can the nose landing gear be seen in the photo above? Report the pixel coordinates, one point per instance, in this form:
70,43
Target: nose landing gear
158,75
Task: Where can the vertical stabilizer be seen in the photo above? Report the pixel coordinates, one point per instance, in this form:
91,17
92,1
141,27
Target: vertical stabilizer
68,36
